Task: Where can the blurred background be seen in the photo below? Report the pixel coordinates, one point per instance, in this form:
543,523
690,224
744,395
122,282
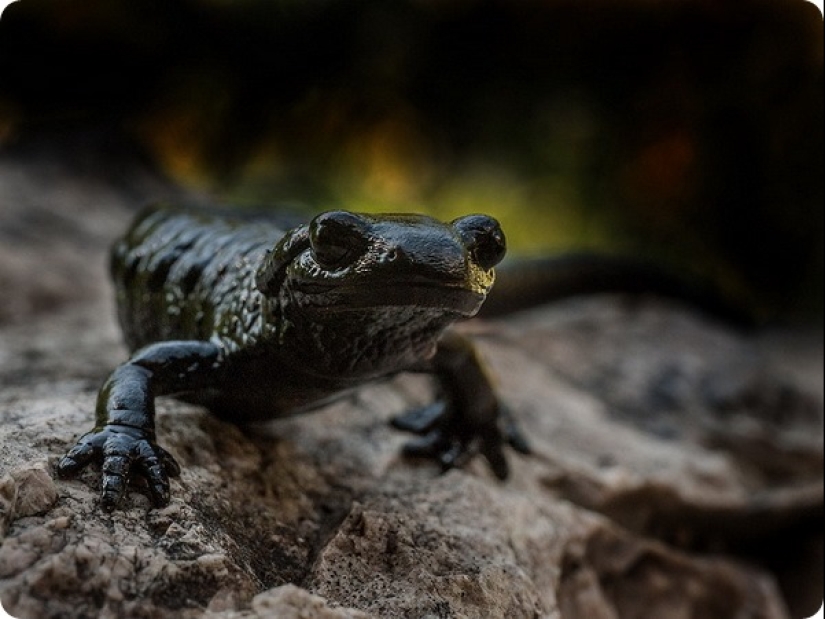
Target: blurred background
688,132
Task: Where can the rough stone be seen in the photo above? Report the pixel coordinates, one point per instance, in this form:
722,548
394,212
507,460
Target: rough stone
36,490
291,602
677,472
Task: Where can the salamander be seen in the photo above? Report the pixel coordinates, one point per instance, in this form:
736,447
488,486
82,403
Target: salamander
256,320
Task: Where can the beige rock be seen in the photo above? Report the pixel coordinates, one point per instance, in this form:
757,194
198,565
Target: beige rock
677,473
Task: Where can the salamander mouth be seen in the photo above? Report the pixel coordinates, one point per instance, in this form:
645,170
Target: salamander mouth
441,297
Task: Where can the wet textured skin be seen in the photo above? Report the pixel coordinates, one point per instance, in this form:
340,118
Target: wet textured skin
257,321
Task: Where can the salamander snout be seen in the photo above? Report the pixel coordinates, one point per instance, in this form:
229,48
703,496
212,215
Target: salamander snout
418,244
484,239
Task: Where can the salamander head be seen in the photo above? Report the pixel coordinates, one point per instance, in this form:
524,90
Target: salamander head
342,261
378,290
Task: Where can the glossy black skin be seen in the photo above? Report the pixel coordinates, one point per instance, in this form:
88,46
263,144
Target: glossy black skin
256,322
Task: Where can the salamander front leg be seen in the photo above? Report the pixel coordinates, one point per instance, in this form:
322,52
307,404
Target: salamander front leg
469,420
123,439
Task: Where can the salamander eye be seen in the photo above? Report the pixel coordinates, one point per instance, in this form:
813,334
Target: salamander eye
336,238
483,238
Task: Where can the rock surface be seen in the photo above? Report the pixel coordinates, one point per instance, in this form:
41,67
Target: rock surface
678,466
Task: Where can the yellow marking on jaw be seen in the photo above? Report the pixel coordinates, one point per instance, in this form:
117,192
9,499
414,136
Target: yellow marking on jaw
479,280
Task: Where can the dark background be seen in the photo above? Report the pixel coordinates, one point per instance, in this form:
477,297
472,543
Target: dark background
689,132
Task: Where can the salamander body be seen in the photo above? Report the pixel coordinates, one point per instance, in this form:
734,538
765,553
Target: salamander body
257,320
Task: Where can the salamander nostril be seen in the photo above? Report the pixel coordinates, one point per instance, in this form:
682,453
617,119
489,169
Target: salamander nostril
336,238
484,239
